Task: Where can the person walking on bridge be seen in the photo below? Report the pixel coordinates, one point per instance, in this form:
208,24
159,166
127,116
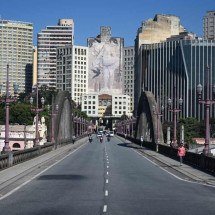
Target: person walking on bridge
141,141
181,153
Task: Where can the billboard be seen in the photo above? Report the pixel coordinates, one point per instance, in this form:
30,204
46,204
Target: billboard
105,65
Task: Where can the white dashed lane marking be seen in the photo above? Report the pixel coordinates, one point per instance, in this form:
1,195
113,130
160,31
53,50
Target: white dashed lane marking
106,193
105,209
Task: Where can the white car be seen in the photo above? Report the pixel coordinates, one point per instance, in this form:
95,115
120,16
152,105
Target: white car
111,133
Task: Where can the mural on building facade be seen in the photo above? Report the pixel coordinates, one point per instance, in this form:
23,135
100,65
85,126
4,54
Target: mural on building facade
105,63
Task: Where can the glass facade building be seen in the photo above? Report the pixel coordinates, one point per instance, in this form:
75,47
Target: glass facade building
179,63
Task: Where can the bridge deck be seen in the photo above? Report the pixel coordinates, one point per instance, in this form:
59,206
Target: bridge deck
21,173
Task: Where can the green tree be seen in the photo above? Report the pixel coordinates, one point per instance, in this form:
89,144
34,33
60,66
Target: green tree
20,113
192,128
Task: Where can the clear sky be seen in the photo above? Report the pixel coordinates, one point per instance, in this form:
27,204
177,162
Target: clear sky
124,16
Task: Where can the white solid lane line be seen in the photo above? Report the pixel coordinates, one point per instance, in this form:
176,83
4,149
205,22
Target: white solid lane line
193,182
26,182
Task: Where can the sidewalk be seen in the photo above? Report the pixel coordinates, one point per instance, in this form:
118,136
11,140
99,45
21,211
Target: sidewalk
31,167
186,172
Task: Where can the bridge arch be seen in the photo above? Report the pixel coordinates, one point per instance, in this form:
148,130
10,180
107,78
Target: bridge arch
63,124
146,124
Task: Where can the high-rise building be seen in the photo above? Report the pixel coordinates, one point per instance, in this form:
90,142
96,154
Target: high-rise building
16,45
105,63
152,31
105,100
47,42
178,64
209,25
72,71
129,74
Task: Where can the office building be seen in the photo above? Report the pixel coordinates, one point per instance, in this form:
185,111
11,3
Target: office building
129,73
106,106
209,25
16,44
181,63
72,71
155,30
47,42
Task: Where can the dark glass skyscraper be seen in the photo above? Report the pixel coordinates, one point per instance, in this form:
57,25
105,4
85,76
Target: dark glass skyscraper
180,63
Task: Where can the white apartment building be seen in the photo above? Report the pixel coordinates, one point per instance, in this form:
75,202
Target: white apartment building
129,74
121,105
72,70
209,25
16,45
47,42
95,105
89,104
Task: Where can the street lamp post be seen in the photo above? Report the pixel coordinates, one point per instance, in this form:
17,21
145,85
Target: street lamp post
36,110
208,101
158,112
76,126
172,107
7,100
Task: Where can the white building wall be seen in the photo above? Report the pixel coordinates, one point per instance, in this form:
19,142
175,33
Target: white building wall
80,73
72,71
121,105
89,104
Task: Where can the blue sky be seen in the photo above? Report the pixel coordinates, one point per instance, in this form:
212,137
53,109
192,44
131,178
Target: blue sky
124,17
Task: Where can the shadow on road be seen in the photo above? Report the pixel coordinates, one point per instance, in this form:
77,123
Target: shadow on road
128,145
61,177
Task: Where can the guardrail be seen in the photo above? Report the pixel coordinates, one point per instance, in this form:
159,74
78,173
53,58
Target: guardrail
15,157
200,161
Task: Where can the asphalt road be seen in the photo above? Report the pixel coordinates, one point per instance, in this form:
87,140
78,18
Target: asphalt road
108,178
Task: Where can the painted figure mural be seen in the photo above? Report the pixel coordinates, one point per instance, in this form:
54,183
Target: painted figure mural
105,64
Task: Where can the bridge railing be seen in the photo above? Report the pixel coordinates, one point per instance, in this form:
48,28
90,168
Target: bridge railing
200,161
15,157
